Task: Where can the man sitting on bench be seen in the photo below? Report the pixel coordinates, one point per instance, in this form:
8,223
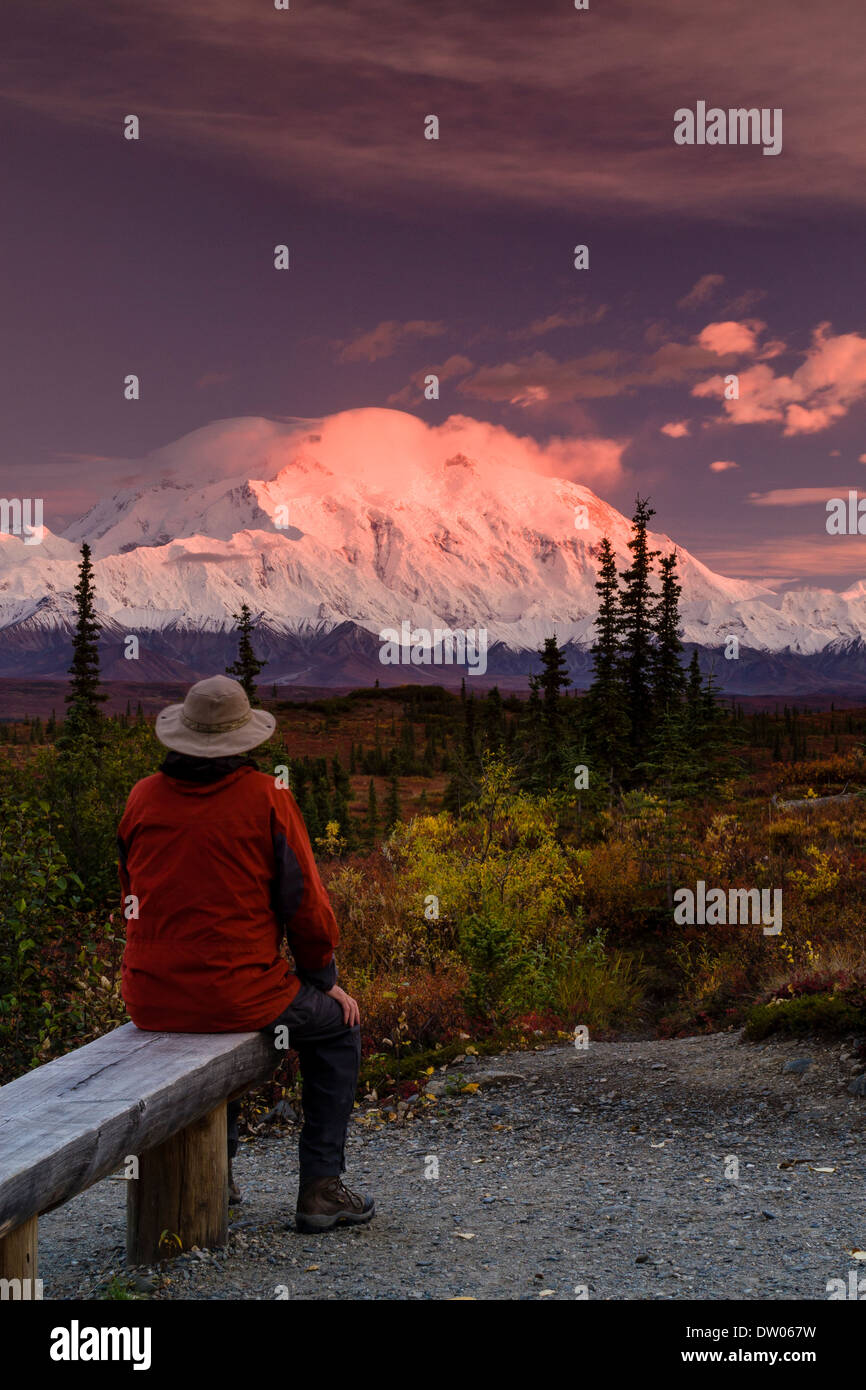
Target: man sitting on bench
215,864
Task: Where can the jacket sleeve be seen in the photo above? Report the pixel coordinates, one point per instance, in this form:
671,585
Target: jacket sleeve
122,869
300,901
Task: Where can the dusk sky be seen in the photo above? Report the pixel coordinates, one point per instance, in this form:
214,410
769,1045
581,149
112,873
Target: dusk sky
453,256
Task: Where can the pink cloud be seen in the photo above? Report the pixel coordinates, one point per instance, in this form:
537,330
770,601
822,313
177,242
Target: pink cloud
385,338
503,84
380,442
578,318
702,290
677,429
730,337
541,377
413,392
722,465
788,559
796,496
822,390
742,303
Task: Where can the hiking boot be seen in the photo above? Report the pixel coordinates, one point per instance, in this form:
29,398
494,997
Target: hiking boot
234,1191
326,1202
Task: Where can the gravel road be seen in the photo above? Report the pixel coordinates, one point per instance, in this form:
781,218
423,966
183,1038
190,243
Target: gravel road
606,1174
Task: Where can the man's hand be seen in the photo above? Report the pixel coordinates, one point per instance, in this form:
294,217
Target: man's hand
351,1012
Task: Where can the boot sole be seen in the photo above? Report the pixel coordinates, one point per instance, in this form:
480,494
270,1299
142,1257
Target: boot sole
310,1225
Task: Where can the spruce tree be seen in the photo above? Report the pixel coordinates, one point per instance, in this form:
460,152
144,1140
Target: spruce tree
247,666
84,697
392,805
676,774
323,803
493,720
604,705
694,695
639,608
668,677
372,825
406,751
309,810
470,737
547,704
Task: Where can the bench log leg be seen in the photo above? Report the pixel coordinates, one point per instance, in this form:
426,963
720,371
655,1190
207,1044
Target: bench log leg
18,1251
181,1193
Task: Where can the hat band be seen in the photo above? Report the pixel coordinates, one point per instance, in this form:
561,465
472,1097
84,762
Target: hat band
224,728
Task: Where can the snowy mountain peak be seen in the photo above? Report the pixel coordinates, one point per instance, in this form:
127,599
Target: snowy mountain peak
372,517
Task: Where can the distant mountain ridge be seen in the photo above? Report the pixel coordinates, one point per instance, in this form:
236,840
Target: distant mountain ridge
336,532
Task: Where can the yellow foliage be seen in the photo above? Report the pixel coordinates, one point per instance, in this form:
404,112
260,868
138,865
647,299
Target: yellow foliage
332,843
821,881
502,860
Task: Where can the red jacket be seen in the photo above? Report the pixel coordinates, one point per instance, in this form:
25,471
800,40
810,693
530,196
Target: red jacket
220,870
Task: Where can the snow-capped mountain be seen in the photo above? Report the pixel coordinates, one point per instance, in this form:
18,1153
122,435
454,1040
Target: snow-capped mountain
333,532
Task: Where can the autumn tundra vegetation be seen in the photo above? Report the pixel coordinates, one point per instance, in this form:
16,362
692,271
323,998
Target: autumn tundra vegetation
503,869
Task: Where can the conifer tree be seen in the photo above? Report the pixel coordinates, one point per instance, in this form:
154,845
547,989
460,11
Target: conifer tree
392,805
307,805
546,703
342,792
247,666
676,774
668,677
604,712
323,803
372,825
694,695
639,607
406,752
493,719
84,697
470,740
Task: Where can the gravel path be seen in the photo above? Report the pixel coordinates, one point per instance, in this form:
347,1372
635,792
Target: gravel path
597,1174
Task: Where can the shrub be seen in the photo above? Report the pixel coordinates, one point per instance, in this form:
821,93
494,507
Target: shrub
839,1013
415,1011
87,787
822,880
603,989
492,951
501,862
787,834
57,963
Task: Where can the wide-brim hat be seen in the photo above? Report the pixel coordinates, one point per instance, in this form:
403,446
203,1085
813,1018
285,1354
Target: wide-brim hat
214,721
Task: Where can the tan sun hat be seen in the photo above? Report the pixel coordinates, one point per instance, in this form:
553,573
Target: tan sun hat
214,721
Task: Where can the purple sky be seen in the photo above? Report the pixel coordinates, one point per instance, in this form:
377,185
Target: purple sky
409,255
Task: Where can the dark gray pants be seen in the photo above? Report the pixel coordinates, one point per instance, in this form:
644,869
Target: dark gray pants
330,1056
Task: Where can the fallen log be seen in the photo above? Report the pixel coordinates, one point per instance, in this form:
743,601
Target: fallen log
810,801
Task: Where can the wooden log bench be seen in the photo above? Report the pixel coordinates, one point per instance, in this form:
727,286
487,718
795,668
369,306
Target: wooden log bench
158,1098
